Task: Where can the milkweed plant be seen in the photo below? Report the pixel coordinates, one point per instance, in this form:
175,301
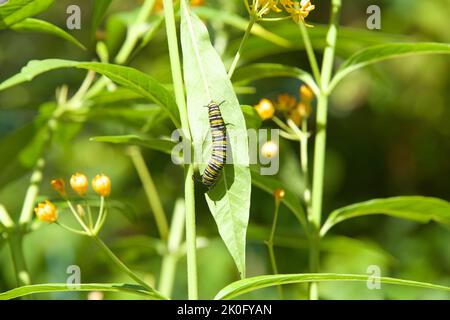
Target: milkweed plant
224,151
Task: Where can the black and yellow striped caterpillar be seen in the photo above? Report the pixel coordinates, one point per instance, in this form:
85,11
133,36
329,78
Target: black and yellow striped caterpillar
219,146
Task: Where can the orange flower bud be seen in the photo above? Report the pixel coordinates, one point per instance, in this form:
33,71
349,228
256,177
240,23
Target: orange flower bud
306,94
46,211
79,183
59,186
265,109
101,185
286,102
196,3
269,149
279,194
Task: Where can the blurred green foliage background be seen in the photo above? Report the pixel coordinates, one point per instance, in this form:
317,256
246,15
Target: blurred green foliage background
389,135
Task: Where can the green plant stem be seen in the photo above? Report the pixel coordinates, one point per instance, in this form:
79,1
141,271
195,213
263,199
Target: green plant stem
282,125
310,51
247,33
76,99
191,238
189,190
270,246
169,263
302,137
150,191
134,33
119,262
320,143
304,164
89,213
71,229
15,240
321,120
32,192
102,212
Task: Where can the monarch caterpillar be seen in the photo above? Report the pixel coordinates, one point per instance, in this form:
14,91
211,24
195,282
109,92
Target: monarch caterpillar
219,146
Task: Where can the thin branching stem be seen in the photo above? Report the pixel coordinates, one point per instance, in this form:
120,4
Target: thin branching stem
320,143
189,190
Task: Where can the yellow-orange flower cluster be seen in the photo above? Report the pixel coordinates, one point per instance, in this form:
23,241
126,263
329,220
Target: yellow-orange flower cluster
268,5
79,183
298,9
288,105
302,109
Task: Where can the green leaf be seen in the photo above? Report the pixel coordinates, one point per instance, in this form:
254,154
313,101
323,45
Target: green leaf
36,25
150,119
128,77
241,24
384,52
98,12
165,146
17,10
349,41
290,200
416,208
63,287
270,70
206,79
251,284
252,118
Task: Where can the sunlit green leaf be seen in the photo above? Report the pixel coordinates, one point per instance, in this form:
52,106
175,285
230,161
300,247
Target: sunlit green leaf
349,40
384,52
36,25
251,284
252,118
165,146
62,287
206,79
416,208
15,11
131,78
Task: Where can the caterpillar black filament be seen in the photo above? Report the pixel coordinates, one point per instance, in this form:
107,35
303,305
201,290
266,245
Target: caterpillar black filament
219,146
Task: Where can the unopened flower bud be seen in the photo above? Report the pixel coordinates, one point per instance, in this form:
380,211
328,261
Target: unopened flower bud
101,185
79,183
265,109
59,186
